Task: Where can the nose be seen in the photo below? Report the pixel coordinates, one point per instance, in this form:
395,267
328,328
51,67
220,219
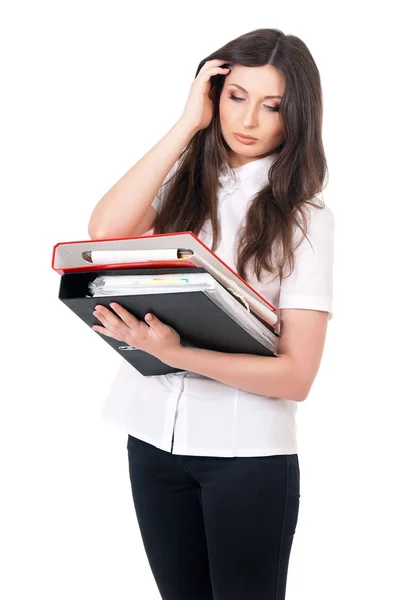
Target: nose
250,118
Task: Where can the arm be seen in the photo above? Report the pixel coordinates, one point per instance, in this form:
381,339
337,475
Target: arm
289,376
127,204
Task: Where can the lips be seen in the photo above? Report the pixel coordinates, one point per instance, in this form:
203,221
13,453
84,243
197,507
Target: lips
246,137
243,140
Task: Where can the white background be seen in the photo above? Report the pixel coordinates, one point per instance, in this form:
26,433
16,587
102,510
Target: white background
87,89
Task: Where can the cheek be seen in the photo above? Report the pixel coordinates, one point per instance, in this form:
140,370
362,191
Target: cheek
273,124
221,113
224,110
279,129
278,135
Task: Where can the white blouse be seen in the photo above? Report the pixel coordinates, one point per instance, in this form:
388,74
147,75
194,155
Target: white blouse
207,417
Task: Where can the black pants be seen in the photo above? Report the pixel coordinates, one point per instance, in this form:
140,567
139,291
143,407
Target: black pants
215,528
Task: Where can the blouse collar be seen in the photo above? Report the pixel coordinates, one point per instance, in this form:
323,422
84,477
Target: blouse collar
252,176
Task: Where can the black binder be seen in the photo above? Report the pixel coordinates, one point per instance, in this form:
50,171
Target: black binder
198,320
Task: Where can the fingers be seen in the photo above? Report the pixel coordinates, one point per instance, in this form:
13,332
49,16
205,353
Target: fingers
214,71
108,333
123,323
125,315
215,63
112,327
213,67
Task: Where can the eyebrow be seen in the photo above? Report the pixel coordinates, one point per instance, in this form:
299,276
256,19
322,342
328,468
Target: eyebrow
246,92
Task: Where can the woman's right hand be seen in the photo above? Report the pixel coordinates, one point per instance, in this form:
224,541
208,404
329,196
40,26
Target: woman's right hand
199,108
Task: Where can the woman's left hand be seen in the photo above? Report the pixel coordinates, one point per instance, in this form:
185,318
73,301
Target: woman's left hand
152,336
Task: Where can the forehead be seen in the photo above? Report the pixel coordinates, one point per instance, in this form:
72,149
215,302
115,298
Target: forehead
258,81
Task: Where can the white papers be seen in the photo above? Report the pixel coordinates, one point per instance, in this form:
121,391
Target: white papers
110,285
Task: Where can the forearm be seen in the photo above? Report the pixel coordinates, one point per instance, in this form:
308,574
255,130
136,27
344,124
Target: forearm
263,375
123,207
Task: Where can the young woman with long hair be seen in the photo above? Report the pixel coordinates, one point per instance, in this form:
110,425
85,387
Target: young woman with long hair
212,447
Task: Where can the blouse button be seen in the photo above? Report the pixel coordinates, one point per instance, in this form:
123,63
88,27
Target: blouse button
228,184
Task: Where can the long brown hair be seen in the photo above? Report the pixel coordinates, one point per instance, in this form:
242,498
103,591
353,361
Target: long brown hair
294,178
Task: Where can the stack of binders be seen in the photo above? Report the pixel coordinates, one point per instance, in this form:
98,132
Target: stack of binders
177,278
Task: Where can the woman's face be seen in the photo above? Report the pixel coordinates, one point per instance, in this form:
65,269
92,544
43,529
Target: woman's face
252,113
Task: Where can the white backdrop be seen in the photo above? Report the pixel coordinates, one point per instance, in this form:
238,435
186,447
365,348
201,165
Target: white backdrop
89,88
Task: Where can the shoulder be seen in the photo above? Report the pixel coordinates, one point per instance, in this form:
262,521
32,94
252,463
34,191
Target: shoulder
318,220
319,213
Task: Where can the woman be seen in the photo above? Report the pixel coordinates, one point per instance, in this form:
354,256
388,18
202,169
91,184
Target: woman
212,447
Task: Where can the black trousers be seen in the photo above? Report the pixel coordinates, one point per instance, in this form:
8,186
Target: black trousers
215,528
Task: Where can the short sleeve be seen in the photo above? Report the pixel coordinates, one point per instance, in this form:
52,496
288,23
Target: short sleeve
157,202
310,284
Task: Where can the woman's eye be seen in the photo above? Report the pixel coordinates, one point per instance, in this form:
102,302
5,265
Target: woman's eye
235,97
238,99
